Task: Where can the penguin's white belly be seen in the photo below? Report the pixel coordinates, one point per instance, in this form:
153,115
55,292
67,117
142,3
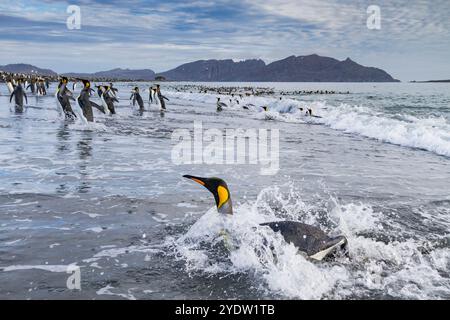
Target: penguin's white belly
79,112
58,104
319,256
105,106
10,87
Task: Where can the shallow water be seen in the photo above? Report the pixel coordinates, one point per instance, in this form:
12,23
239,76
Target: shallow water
108,198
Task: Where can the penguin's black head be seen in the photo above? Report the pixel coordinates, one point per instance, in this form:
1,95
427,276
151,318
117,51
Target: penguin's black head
64,80
86,83
219,189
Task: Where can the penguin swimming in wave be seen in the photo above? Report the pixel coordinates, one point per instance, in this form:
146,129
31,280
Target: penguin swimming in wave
220,105
309,240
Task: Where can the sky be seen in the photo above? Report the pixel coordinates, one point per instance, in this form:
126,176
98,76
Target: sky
413,42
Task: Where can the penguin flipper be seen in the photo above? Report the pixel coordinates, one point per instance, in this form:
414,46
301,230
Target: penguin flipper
98,107
331,247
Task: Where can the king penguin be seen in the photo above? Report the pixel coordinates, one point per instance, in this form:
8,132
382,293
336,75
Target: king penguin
85,102
18,94
63,96
309,240
136,97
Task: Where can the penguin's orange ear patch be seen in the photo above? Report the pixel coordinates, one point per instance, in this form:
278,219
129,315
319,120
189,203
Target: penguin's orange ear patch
223,196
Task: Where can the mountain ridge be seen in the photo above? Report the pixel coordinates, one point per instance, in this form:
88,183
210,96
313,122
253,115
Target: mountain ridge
118,74
27,69
308,68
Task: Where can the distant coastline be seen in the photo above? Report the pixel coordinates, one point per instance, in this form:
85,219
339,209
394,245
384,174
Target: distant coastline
431,81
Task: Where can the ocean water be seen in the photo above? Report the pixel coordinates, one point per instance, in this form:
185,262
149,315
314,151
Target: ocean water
108,198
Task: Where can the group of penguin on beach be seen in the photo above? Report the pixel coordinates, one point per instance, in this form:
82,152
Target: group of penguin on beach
108,95
310,241
18,85
38,85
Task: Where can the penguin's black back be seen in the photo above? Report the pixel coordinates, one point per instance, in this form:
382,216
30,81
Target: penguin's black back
306,238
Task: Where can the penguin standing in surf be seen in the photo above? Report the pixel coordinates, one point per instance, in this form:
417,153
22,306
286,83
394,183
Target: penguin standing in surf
161,98
64,96
10,84
109,98
101,90
113,91
32,85
150,95
136,97
85,102
41,87
133,96
18,94
309,240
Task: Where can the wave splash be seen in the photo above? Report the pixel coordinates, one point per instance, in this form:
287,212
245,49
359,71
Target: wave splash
375,266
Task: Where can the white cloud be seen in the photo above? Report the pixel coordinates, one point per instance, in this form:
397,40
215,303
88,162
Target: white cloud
166,34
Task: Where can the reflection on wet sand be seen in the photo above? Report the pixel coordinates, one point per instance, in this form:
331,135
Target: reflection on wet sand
84,147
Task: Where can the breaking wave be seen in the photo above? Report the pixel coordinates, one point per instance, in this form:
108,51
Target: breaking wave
431,133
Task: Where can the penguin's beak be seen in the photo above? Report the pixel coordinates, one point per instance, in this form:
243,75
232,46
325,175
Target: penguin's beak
196,179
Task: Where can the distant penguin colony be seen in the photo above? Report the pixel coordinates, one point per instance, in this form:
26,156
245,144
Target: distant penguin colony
237,94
